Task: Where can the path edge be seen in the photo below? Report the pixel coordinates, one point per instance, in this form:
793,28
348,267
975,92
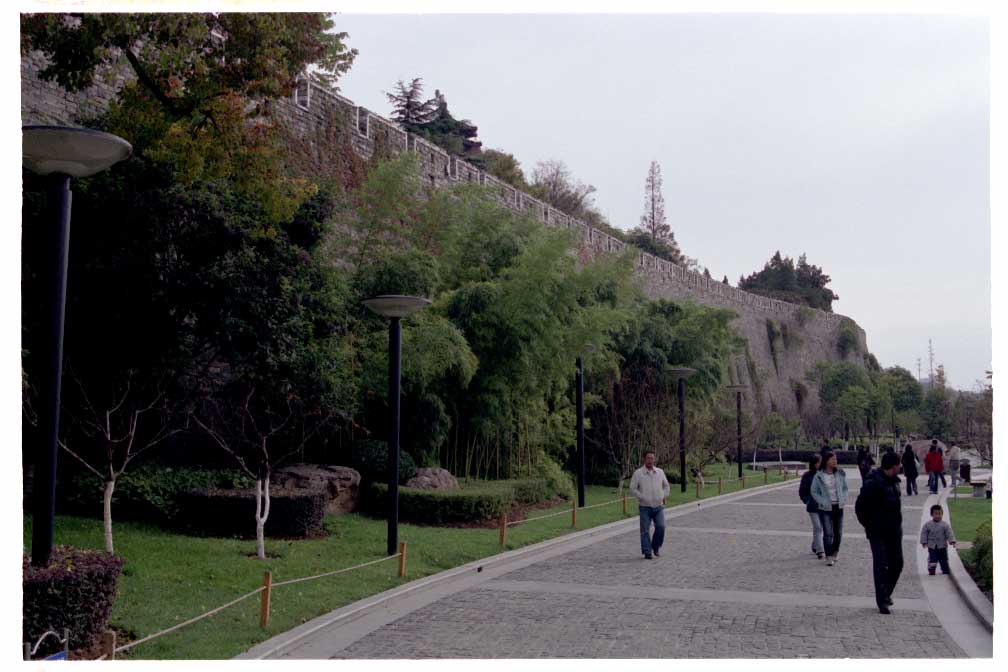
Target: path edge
964,583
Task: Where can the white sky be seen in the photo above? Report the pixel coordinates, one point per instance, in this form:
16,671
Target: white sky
861,140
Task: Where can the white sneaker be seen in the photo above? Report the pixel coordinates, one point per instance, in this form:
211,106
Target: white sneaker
829,562
835,561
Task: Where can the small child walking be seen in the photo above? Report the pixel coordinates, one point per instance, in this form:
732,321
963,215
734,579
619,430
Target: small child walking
935,536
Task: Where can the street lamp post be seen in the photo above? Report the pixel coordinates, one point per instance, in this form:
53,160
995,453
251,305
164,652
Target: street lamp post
395,307
738,389
682,373
579,403
61,153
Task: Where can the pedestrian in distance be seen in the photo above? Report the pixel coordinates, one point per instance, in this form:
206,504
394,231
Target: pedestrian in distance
805,494
936,535
910,472
941,452
649,485
878,510
952,460
829,489
933,465
864,462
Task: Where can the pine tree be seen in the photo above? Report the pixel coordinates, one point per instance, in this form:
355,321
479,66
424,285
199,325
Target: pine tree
653,219
408,106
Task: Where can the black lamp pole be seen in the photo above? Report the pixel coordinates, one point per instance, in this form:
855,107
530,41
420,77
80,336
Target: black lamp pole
395,352
579,403
55,276
738,428
682,433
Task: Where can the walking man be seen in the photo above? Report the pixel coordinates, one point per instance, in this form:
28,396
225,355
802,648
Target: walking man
952,460
879,511
649,485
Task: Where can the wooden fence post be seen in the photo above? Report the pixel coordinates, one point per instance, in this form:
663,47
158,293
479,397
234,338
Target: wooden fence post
720,486
573,513
402,559
503,529
766,476
108,643
264,605
743,480
698,489
624,503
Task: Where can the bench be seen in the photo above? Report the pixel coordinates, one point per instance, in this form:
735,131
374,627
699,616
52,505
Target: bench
979,488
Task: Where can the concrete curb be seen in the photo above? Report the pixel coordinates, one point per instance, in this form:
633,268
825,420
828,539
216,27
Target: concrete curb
964,583
348,612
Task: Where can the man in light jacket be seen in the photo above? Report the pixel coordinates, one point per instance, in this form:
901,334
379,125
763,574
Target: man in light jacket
649,485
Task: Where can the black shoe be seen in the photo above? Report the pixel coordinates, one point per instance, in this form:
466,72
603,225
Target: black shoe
819,555
647,556
888,602
656,553
884,610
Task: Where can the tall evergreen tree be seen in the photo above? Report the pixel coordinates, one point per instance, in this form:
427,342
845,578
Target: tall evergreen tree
653,219
408,106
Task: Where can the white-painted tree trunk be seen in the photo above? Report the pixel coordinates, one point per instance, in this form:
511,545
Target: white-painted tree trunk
107,514
262,513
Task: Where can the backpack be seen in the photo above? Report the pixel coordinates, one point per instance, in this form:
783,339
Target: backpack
861,509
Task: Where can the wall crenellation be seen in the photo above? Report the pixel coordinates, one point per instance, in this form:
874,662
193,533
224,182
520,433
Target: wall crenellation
46,103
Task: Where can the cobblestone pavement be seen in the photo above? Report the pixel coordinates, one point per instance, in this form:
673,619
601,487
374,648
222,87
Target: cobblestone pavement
753,591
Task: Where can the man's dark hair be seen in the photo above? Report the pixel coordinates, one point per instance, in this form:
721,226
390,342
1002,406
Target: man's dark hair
889,460
813,463
935,507
648,452
934,442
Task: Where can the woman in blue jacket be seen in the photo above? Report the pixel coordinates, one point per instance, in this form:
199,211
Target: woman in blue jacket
829,490
805,494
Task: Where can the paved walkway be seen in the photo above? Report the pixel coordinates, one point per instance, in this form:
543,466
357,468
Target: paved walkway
736,579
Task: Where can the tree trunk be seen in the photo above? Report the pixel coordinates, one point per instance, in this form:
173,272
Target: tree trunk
107,514
262,513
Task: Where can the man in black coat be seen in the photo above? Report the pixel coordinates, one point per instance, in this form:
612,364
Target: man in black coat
883,523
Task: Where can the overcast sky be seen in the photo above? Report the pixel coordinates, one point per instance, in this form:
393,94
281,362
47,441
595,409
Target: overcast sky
860,140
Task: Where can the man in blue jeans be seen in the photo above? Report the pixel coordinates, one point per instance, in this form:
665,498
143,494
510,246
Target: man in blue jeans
649,485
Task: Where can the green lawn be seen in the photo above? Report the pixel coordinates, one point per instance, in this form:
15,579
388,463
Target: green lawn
967,514
169,578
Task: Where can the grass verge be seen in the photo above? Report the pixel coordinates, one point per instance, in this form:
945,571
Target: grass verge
169,578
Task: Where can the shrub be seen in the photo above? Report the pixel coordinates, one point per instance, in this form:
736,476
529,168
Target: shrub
149,492
231,513
473,502
557,480
369,458
983,558
847,339
75,592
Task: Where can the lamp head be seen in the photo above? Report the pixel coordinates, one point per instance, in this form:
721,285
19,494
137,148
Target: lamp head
77,152
396,305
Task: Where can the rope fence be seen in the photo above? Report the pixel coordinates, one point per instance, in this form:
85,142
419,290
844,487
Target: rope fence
110,649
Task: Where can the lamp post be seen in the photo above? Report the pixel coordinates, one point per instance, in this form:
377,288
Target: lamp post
579,403
738,390
395,307
682,373
61,153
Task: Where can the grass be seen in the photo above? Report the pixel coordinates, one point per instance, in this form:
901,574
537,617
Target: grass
169,578
967,514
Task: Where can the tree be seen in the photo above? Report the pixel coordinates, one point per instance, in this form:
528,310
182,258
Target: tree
455,136
408,106
187,61
653,220
904,389
936,413
501,165
552,182
803,284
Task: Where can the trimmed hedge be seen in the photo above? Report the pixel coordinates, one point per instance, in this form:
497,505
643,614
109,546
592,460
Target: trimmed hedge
147,493
75,592
231,513
982,565
472,503
369,458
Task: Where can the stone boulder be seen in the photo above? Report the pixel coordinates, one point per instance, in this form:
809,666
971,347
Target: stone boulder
341,484
429,478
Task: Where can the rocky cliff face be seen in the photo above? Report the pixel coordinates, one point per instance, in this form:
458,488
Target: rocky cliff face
783,340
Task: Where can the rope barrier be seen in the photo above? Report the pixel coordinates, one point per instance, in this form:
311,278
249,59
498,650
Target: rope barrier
338,571
565,512
189,622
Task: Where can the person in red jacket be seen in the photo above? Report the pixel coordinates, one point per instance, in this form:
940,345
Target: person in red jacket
933,465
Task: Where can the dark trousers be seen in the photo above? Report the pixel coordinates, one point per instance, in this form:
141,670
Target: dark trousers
648,515
911,486
832,529
938,556
887,564
941,475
